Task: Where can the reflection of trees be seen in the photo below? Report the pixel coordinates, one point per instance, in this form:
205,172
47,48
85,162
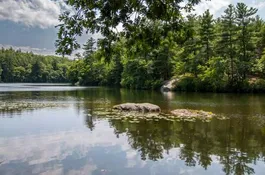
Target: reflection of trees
151,139
204,147
187,134
89,122
240,143
236,143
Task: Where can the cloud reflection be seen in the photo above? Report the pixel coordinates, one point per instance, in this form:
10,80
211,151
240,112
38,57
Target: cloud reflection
48,153
81,151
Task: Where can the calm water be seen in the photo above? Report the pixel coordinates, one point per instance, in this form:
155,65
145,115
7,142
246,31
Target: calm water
66,140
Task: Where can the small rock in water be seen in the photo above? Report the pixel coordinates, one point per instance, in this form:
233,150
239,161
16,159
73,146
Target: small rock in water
143,107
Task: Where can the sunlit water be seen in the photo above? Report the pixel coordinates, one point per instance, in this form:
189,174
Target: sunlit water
66,140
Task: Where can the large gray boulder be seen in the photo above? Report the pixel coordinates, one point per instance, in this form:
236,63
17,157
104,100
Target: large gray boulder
143,107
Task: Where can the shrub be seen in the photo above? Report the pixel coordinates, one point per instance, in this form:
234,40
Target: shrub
258,85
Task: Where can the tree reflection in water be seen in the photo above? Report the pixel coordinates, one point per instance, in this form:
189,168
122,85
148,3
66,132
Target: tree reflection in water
236,143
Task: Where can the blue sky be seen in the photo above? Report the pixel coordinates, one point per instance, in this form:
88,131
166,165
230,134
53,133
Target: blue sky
29,24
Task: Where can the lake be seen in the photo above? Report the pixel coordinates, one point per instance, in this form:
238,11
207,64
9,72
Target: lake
58,130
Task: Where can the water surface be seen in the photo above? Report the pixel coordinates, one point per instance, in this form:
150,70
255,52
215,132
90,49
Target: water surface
72,139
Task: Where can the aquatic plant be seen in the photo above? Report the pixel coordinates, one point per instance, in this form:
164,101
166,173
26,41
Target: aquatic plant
20,106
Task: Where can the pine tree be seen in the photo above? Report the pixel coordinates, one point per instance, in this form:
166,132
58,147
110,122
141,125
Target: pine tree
227,43
246,48
259,36
206,33
89,47
190,55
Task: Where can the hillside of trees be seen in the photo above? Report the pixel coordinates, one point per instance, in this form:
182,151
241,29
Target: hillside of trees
16,66
203,53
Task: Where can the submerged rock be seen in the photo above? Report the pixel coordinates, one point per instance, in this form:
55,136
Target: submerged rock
143,107
188,113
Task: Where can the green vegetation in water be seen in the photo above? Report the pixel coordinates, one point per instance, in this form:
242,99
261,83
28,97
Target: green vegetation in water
176,115
21,106
189,113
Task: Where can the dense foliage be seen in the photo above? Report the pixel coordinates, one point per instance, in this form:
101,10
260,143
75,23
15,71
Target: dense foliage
202,53
104,16
16,66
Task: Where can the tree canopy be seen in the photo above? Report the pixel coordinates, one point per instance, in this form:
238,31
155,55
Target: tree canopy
104,17
202,53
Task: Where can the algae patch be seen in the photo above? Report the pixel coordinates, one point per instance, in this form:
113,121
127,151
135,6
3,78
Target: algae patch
20,106
189,113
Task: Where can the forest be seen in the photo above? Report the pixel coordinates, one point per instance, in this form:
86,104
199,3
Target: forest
158,42
162,41
16,66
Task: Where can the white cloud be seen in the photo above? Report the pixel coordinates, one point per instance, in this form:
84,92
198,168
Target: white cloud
39,51
42,51
44,13
215,6
258,4
40,13
55,147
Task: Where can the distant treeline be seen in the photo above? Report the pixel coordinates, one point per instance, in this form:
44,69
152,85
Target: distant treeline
16,66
